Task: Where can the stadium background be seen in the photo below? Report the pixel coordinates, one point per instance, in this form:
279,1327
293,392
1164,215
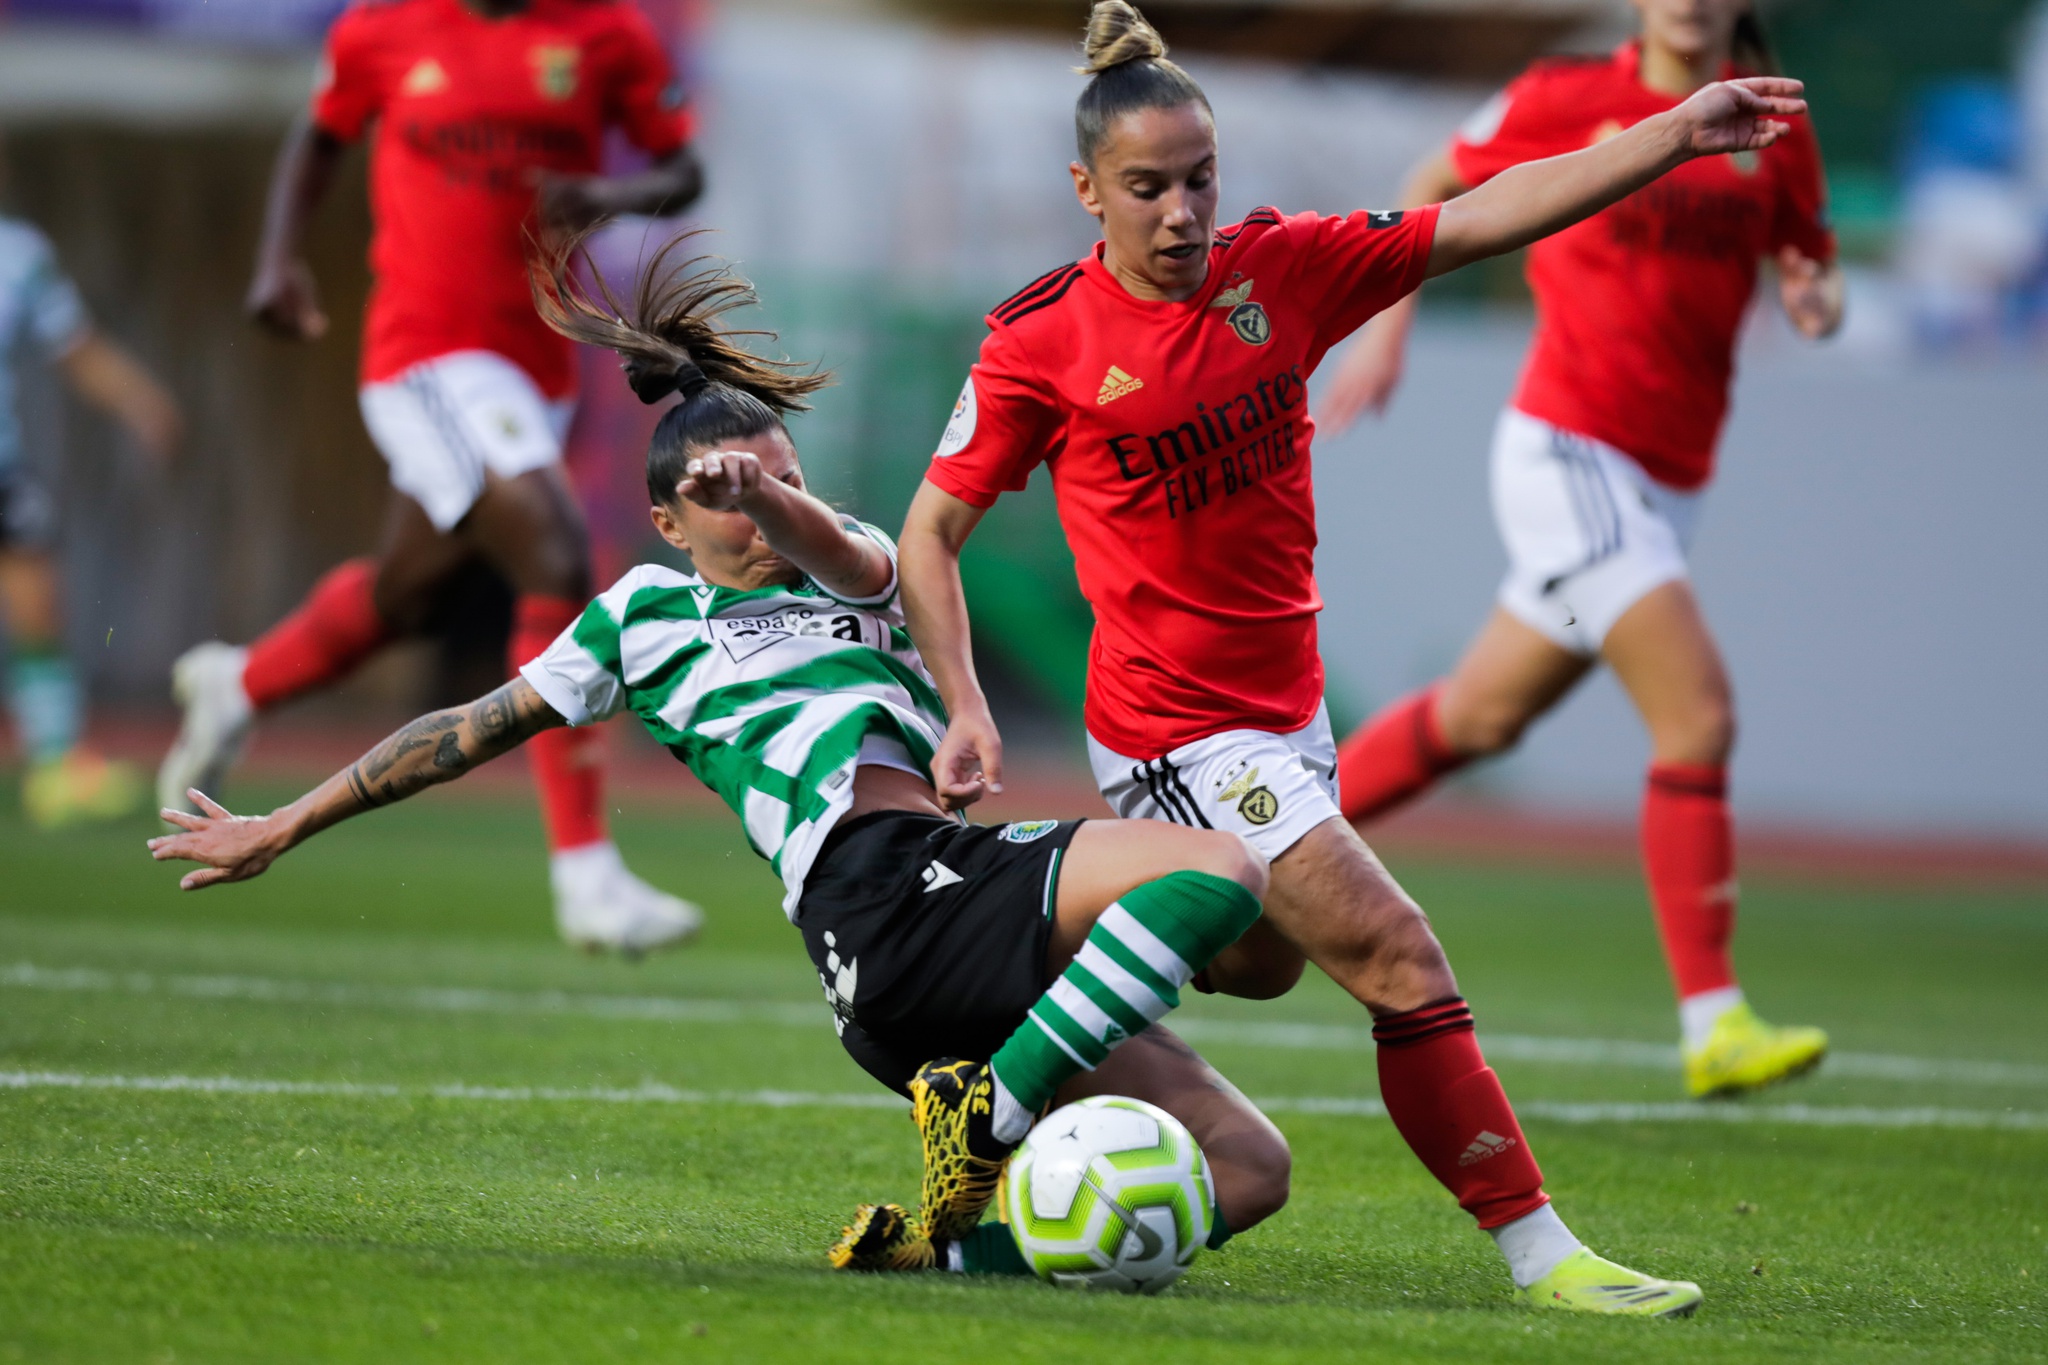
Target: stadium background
1869,556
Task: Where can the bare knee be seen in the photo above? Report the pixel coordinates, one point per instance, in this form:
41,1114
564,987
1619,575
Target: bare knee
1232,857
1263,1171
1702,733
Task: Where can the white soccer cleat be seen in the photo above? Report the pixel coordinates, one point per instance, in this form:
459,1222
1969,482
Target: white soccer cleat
207,683
599,905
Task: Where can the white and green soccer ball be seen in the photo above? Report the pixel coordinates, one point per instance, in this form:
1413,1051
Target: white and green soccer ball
1110,1193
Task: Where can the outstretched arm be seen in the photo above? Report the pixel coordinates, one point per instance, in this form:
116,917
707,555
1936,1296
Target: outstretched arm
431,750
1535,199
969,763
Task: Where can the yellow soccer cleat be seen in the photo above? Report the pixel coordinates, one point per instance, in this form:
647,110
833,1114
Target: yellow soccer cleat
882,1238
953,1103
1744,1053
80,788
1585,1283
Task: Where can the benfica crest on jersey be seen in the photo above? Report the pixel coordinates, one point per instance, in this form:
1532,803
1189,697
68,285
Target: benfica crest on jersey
554,69
1246,318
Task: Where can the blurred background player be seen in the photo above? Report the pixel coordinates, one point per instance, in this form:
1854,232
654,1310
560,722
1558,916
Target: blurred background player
66,781
489,122
1599,466
1162,378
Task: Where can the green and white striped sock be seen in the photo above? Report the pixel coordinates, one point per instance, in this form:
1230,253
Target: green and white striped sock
1127,976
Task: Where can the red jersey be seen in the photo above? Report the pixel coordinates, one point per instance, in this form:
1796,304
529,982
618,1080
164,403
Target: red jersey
1638,307
470,112
1177,435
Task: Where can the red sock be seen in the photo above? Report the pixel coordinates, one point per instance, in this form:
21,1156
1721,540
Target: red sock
1397,755
568,765
321,642
1689,857
1448,1104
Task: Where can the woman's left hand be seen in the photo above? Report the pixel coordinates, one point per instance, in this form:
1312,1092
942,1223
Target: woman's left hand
1739,116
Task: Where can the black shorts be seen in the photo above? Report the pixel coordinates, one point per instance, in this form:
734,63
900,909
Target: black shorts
28,519
930,936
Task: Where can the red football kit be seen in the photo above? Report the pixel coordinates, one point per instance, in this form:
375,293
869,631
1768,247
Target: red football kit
1638,307
470,113
1178,436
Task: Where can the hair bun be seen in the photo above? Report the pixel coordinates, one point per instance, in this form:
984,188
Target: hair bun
1118,35
652,380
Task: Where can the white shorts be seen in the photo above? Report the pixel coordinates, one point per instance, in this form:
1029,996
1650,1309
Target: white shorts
1588,533
447,422
1271,788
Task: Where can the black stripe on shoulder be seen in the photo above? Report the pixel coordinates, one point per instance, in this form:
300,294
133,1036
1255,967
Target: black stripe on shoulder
1044,284
1045,298
1264,217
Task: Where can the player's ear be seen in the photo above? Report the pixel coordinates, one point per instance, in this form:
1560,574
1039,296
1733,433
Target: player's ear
1084,189
670,526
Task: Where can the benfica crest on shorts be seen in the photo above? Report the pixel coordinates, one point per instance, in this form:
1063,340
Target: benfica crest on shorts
554,69
1246,318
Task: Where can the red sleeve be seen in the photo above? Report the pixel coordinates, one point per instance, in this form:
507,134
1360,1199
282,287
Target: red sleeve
1802,217
645,99
1521,123
350,88
1354,266
1005,425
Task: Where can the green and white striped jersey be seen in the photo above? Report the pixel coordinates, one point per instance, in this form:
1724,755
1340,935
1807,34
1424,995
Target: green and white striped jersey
772,697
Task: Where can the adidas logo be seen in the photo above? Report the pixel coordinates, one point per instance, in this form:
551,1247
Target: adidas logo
1485,1145
938,875
1116,384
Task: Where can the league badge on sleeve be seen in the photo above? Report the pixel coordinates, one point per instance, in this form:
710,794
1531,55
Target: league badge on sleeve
960,427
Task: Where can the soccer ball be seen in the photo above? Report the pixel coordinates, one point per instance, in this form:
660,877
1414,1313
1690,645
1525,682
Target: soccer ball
1110,1193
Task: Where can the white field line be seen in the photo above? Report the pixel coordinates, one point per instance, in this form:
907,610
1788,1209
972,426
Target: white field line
651,1092
1510,1047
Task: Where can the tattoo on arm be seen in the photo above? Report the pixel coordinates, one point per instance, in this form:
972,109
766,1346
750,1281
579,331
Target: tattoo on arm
442,747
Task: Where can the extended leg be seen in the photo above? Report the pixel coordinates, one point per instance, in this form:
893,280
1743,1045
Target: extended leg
1140,907
1335,899
1664,654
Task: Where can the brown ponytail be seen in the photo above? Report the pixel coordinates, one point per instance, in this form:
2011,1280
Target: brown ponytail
670,342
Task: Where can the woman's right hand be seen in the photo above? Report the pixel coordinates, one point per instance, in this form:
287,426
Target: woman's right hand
284,300
969,763
233,847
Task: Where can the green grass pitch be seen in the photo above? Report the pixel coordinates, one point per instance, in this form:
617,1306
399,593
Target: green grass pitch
499,1151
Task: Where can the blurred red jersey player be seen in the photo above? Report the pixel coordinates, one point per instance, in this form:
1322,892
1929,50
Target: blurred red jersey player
487,121
1599,466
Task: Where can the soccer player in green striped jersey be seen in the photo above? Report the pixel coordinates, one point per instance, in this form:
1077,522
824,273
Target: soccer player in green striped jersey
1032,959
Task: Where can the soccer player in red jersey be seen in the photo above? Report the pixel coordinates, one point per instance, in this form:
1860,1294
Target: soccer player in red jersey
1599,465
1161,380
487,120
